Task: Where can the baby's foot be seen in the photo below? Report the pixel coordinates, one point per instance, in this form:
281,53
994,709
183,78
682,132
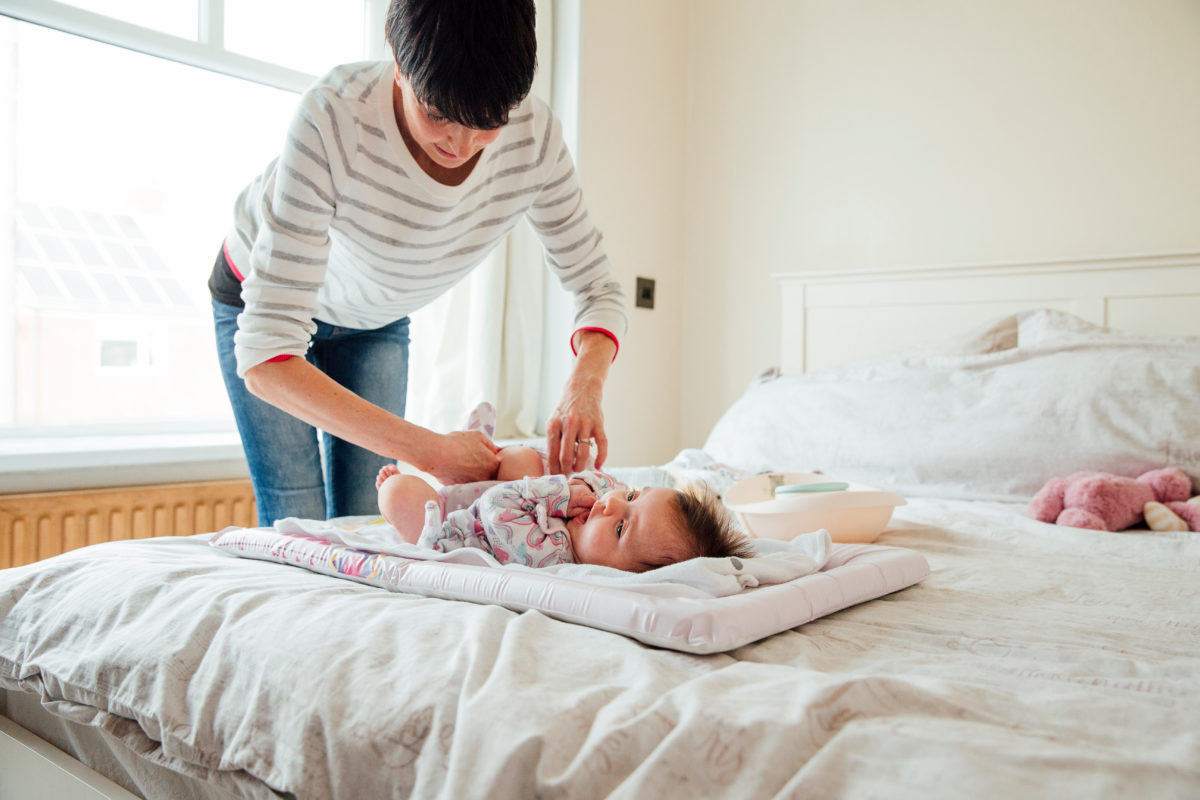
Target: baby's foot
386,472
483,418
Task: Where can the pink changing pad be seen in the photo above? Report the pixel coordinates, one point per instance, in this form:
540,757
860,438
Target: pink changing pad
854,573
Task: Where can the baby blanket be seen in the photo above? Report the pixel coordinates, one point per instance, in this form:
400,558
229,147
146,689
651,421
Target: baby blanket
688,606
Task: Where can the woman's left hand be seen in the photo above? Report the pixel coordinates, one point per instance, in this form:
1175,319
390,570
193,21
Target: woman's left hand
575,427
578,423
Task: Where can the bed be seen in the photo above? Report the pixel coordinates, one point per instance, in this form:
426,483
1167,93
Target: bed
1033,660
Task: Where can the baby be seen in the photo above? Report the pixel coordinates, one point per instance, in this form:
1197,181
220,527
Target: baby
540,521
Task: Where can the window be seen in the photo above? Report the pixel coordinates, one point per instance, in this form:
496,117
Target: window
303,38
124,353
125,148
122,190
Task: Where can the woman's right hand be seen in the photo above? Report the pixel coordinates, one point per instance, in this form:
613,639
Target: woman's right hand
465,457
303,391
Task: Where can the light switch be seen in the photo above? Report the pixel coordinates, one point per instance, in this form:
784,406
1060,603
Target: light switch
645,292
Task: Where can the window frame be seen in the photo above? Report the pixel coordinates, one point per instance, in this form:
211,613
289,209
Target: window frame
207,51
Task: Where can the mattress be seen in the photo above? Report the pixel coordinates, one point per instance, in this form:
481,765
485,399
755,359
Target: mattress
1034,660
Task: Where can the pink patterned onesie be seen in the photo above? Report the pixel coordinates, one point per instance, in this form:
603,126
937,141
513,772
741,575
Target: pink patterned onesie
520,522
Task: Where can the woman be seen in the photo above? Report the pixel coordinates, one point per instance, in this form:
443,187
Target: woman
395,181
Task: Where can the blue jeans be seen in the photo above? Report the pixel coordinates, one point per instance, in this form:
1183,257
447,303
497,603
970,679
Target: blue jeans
290,477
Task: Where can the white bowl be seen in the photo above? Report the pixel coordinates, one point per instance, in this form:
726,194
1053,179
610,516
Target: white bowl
856,514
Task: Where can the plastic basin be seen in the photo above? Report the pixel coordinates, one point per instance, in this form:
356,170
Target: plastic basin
856,514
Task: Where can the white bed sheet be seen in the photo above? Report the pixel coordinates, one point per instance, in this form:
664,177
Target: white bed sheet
1033,661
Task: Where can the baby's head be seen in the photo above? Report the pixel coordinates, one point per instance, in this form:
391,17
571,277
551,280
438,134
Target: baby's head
638,530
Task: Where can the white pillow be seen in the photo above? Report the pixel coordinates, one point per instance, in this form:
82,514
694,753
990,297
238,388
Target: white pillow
988,416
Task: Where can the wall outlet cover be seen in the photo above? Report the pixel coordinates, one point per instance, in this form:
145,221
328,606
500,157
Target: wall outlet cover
645,293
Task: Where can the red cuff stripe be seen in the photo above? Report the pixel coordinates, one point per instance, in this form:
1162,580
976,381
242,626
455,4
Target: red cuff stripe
605,331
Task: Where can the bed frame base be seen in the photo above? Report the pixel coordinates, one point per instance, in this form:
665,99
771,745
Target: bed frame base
32,768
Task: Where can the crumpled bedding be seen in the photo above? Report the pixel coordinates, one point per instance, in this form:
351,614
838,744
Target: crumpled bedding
1035,660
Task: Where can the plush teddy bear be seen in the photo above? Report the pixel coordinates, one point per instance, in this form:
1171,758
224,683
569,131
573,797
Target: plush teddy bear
1105,502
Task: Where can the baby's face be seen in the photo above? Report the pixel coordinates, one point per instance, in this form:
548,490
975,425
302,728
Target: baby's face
628,529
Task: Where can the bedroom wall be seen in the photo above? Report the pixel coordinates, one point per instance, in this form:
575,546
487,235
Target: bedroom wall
846,134
632,75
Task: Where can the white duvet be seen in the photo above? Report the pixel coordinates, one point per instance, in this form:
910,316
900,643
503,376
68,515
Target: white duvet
1033,661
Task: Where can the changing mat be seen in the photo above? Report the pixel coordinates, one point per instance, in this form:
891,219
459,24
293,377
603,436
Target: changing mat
699,606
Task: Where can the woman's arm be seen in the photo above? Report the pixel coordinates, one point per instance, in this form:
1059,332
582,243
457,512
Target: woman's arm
579,415
575,254
303,391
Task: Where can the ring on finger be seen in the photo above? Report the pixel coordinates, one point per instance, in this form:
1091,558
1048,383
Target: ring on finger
588,442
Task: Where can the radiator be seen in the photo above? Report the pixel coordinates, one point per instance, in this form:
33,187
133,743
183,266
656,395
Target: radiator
43,524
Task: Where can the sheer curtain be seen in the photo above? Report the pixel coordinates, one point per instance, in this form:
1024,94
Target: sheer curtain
483,339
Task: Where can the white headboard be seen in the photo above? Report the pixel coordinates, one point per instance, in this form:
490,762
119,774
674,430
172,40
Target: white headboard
832,317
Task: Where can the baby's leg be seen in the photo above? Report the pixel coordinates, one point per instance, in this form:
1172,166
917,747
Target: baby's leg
519,462
483,418
402,501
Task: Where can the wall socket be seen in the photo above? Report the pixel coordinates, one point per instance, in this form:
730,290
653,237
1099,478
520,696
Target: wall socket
645,292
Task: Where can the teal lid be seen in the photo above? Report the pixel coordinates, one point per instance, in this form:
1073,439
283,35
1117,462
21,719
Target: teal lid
800,488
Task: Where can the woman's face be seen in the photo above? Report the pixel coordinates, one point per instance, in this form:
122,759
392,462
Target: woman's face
447,143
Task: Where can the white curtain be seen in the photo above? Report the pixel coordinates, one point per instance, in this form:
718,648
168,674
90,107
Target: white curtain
483,339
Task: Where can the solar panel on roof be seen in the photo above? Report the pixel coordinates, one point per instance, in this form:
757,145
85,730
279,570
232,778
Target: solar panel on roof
88,257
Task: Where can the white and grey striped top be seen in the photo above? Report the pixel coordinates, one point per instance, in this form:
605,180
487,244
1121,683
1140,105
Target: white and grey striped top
346,228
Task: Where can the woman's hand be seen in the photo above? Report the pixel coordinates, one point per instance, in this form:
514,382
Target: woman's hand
303,391
579,421
570,432
465,457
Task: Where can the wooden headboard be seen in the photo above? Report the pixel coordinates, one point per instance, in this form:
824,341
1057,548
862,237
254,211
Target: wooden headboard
832,317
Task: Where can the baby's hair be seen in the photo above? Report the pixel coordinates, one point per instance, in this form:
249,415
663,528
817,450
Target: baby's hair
708,525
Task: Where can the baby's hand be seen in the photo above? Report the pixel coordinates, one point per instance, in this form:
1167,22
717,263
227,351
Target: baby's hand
582,498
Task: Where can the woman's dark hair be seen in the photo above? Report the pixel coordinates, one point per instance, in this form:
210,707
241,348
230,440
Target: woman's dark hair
472,61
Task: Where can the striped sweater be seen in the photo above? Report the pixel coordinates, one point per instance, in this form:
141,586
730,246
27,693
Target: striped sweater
346,228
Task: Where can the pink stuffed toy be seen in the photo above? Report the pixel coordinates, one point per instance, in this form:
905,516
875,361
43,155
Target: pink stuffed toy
1105,502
